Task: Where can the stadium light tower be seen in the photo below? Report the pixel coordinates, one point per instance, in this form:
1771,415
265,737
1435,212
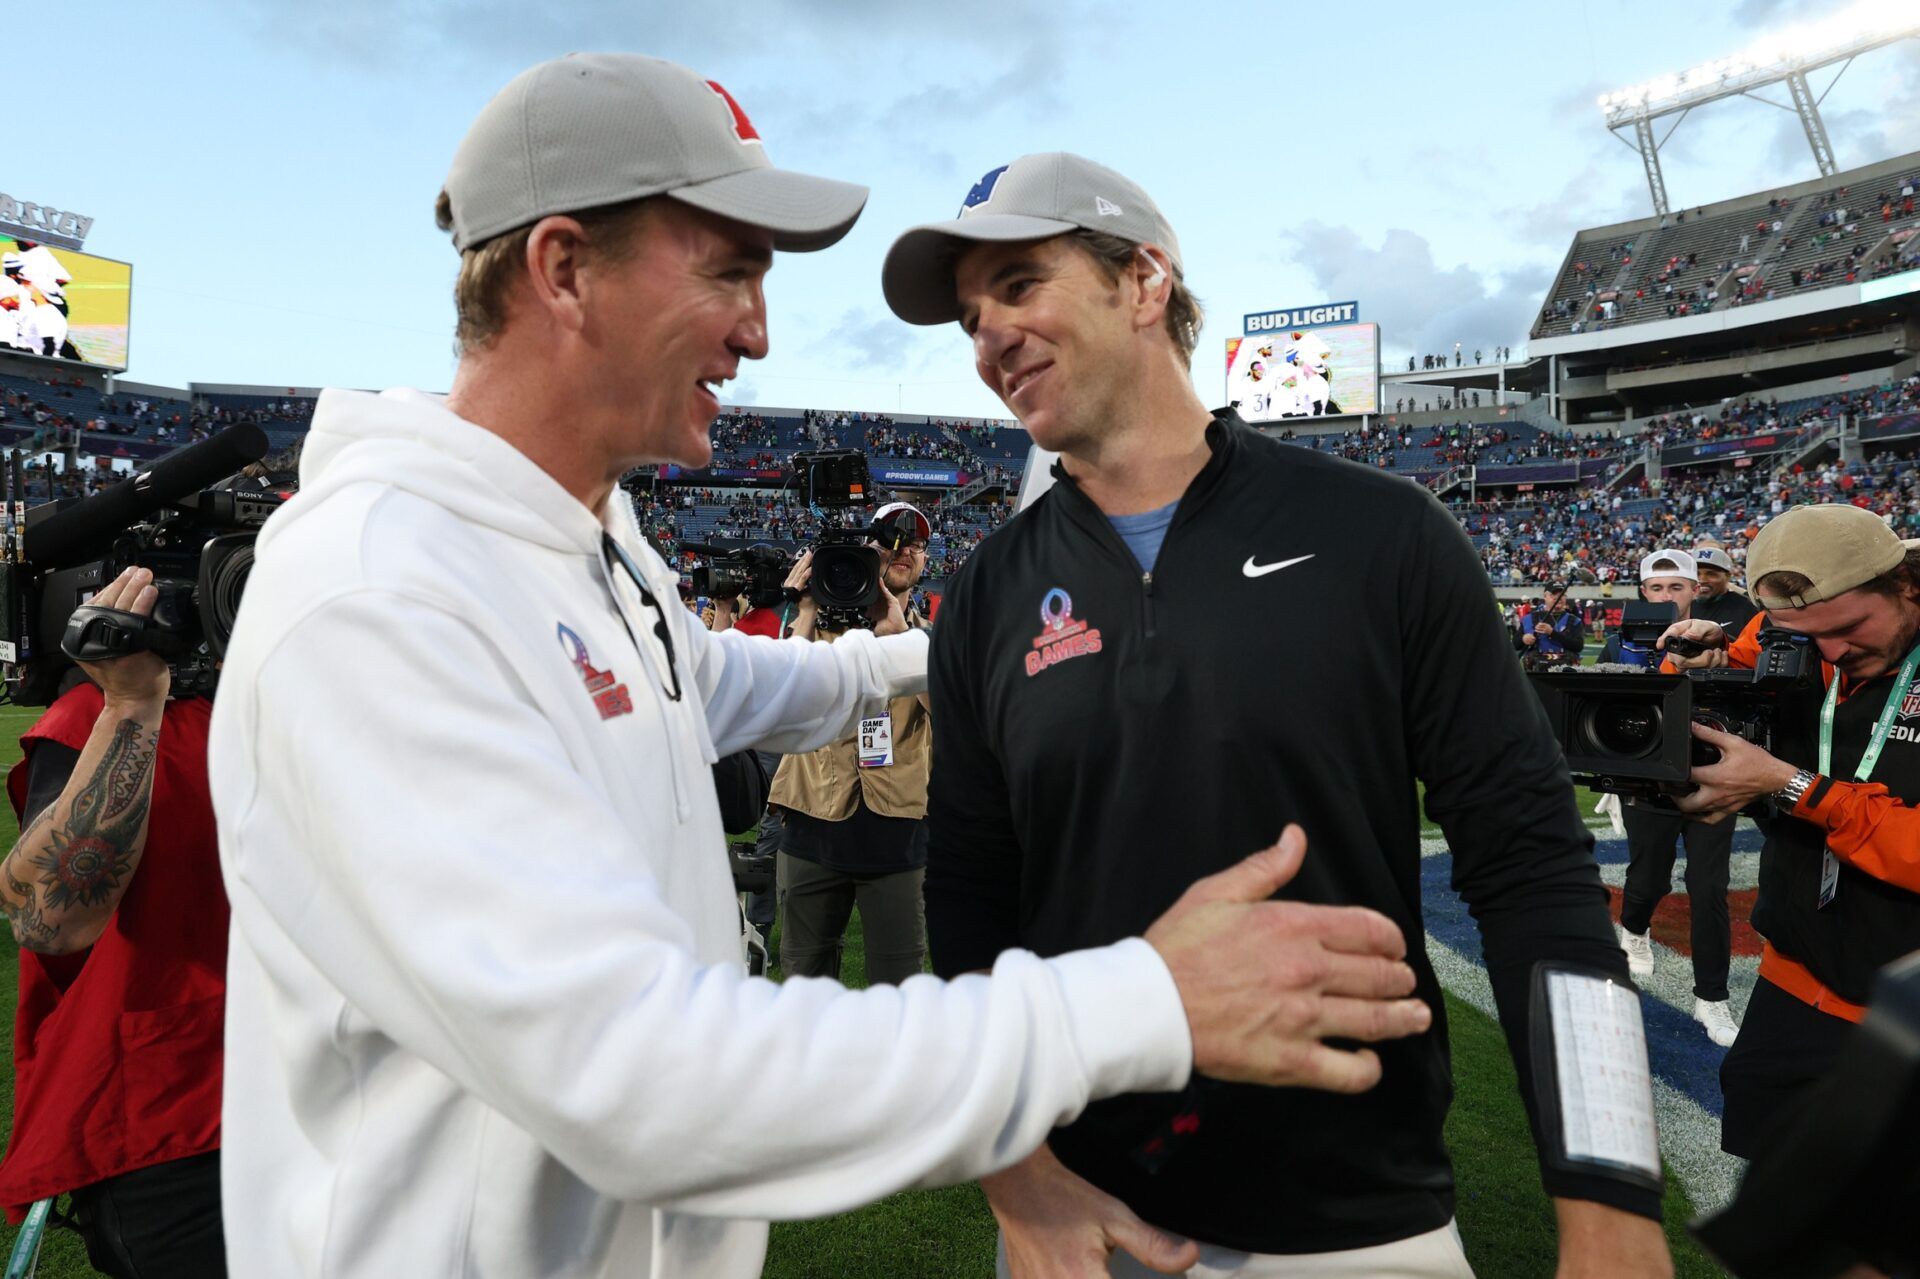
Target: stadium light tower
1785,57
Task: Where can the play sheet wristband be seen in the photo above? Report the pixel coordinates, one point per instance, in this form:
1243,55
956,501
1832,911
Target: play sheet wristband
1896,698
1590,1076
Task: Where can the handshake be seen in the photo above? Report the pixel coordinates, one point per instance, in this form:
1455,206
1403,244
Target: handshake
1266,983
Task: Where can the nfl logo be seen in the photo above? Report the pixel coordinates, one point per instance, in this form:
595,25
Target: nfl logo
1910,706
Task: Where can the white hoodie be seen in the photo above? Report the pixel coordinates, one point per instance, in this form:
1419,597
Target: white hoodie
485,1010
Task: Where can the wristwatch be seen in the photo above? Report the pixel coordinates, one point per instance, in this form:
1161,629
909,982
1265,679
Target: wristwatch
1788,797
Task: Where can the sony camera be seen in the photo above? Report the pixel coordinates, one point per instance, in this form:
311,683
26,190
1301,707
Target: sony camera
1625,729
758,572
196,538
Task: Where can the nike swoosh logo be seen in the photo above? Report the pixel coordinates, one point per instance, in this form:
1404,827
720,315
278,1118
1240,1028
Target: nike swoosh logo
1261,570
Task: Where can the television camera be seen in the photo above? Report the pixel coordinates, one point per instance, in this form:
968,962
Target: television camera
1625,727
849,563
172,518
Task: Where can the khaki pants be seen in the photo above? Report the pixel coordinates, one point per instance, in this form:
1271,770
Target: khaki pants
816,905
1434,1255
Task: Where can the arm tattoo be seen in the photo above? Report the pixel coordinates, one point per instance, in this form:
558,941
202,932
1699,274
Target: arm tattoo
93,851
30,927
84,860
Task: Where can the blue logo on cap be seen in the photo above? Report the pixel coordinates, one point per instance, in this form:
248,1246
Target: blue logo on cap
983,189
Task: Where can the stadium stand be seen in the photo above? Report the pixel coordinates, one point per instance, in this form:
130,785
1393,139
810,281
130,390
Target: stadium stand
1594,499
1755,247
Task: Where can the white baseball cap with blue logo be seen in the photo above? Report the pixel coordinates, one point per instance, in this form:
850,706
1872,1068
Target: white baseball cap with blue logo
1034,198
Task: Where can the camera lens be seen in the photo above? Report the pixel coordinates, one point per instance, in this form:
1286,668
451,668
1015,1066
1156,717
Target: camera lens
1626,729
846,577
224,567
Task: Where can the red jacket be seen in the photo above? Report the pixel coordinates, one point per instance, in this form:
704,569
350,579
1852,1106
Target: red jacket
117,1050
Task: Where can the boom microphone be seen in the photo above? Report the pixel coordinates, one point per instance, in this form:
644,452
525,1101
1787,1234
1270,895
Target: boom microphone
85,530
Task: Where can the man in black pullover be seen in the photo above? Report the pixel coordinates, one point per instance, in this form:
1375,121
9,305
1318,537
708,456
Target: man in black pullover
1108,730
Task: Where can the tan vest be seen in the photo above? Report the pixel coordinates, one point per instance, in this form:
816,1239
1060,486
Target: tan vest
822,784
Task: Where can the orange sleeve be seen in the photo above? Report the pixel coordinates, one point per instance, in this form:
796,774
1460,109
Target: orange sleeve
1868,829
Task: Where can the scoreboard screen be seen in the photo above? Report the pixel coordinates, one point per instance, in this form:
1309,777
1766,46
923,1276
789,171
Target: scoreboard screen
1305,373
61,304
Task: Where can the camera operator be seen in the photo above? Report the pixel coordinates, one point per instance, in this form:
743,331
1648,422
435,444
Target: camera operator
1718,601
113,891
856,813
1840,871
763,613
1552,633
1671,576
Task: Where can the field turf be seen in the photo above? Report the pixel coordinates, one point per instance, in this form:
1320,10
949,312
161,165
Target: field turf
1505,1219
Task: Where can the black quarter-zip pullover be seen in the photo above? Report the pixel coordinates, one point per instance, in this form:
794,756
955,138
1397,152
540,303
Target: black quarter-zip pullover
1314,636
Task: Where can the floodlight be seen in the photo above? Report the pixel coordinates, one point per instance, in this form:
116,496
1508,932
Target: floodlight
1784,57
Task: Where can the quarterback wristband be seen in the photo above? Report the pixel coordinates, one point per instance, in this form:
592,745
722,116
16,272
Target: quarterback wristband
1592,1086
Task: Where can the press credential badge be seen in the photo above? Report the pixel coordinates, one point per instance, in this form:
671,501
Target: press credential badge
876,741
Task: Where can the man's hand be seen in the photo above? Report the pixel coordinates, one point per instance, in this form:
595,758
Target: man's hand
1598,1242
1059,1226
138,679
1265,982
801,573
1543,628
888,615
806,610
1528,640
1743,774
1710,634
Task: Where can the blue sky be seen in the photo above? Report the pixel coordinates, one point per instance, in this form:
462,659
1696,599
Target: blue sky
269,166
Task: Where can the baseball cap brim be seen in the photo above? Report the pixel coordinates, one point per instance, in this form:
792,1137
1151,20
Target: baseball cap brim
804,213
918,275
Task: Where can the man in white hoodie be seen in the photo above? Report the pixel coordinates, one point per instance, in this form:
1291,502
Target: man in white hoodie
486,1013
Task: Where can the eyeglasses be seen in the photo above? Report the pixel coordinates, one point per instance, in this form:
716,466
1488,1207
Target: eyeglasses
617,554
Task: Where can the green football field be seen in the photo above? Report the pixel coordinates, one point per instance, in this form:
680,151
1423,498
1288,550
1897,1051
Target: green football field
1504,1217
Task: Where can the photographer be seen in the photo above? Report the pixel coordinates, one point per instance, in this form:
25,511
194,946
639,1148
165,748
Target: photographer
113,891
1671,577
1840,872
1552,633
855,811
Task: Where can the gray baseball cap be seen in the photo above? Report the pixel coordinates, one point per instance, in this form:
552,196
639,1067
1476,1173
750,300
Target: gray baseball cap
1034,198
593,129
1712,557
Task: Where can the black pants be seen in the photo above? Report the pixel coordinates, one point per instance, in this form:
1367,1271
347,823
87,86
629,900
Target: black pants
1785,1048
161,1222
1651,838
816,905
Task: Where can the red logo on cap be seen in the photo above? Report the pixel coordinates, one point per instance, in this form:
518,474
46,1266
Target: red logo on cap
742,127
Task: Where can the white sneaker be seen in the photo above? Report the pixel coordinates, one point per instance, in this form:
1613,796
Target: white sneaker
1717,1016
1639,948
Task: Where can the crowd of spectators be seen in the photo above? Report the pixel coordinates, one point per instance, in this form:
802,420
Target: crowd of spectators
1594,536
1499,354
884,440
1847,232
